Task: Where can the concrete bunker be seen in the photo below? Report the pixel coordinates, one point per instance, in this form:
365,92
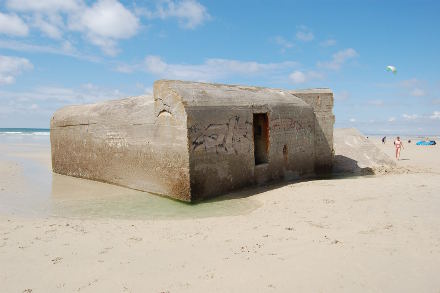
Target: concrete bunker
192,141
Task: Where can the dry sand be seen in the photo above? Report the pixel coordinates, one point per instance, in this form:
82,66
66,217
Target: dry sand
357,234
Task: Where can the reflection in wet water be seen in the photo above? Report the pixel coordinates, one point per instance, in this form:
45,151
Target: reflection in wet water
74,197
39,192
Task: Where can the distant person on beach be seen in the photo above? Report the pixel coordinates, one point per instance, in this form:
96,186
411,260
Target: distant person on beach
399,145
384,139
409,140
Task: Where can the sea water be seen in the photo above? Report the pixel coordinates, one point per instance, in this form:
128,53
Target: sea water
24,135
25,131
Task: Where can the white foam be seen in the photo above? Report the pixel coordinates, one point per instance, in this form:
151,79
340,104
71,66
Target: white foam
24,133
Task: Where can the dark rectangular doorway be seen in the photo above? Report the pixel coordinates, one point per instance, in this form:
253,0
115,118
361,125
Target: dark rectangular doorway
261,138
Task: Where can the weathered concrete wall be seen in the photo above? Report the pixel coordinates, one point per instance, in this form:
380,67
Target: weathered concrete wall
127,142
221,142
321,101
222,147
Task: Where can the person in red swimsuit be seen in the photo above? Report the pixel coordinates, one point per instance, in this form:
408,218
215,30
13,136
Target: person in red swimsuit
399,145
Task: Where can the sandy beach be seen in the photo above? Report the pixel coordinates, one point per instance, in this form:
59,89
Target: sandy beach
376,233
196,146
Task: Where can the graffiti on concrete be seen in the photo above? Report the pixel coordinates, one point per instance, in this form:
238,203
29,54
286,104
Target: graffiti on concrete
226,137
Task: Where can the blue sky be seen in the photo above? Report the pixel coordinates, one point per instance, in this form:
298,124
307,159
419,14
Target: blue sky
55,53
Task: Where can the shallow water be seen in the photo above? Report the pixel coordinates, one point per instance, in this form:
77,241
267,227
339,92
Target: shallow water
40,193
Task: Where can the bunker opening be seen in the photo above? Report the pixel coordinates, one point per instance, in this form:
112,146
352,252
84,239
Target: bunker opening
261,138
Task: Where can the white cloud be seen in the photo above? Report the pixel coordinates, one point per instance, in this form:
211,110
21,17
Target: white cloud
391,119
417,92
148,90
377,103
47,15
10,67
54,97
102,22
105,22
126,68
210,70
11,24
189,13
66,49
410,117
38,104
48,27
339,58
156,65
342,96
108,19
283,43
44,6
352,120
298,76
409,83
304,34
107,45
435,115
413,87
328,43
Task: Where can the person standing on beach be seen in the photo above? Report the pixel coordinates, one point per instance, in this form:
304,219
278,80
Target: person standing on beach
399,145
384,139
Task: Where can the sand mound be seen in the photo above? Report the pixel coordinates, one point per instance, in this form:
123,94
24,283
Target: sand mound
354,153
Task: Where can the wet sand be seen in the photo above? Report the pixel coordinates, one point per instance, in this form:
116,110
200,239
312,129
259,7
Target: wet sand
372,233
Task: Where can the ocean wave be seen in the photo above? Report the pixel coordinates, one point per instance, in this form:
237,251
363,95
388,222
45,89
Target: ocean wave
24,133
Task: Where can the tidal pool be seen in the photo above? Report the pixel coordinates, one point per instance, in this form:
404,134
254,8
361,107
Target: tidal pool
29,188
